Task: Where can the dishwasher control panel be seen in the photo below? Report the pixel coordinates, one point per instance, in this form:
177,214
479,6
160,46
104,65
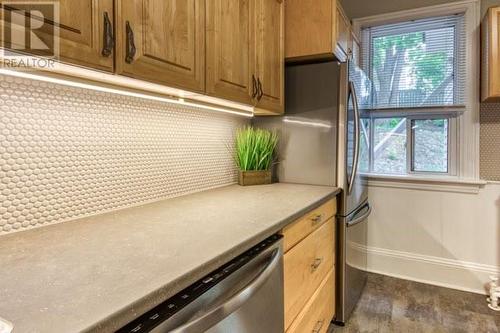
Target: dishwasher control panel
167,309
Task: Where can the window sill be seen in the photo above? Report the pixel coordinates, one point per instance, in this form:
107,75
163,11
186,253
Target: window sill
426,183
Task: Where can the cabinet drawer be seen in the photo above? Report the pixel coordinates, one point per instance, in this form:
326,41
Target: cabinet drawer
299,229
305,266
319,310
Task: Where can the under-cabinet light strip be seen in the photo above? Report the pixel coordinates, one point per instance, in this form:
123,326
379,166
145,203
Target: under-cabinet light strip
82,85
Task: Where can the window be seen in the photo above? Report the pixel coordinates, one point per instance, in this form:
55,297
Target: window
408,145
430,145
418,73
389,145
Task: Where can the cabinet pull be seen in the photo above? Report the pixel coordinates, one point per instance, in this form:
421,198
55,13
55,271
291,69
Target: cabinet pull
316,219
108,38
131,50
317,262
259,87
319,325
255,90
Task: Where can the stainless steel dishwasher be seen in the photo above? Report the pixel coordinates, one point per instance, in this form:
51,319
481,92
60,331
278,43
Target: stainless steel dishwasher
245,296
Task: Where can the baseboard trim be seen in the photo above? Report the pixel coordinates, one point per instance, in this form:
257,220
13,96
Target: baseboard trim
444,272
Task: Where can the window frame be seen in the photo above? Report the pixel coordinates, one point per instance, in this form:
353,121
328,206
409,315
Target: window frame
451,146
465,123
452,137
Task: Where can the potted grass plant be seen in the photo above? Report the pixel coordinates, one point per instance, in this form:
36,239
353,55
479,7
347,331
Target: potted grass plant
255,153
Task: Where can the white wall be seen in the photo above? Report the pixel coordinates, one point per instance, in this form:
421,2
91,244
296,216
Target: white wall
442,238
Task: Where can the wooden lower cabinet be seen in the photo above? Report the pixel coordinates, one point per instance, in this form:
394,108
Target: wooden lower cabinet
319,310
302,227
306,265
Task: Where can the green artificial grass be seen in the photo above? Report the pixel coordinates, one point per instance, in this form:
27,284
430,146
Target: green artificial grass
255,148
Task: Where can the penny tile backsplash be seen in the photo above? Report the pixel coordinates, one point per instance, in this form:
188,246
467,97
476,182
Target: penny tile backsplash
67,152
490,141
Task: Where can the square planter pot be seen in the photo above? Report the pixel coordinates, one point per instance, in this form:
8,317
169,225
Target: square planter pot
247,178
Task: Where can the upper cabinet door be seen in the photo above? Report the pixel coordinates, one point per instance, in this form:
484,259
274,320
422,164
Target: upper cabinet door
344,38
86,35
230,57
163,41
270,56
490,81
309,29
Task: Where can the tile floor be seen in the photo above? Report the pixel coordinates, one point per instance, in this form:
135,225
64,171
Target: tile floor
393,305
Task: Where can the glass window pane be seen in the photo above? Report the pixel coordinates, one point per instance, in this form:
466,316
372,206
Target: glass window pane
417,63
364,150
430,145
389,147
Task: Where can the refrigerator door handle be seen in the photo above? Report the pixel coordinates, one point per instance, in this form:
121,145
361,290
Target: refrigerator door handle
363,217
357,133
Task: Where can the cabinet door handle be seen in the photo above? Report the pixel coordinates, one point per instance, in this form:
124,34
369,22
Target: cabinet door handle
319,325
259,87
131,50
317,262
316,219
108,38
255,90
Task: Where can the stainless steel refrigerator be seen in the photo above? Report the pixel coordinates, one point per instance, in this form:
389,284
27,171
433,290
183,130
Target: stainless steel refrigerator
322,142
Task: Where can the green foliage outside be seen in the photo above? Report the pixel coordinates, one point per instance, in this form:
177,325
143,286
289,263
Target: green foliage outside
255,148
391,54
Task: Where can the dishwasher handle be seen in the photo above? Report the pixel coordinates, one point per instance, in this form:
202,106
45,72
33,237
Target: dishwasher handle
213,316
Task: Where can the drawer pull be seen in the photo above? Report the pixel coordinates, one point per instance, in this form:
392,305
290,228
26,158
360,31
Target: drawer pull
319,325
316,219
317,262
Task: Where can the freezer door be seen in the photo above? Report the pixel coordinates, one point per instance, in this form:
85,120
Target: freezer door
352,261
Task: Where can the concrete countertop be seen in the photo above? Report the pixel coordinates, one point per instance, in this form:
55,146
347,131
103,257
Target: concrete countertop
96,274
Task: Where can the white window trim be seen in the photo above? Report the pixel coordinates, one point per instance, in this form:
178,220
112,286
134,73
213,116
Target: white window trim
467,150
427,183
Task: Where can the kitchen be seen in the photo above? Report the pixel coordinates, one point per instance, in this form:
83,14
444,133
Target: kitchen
132,200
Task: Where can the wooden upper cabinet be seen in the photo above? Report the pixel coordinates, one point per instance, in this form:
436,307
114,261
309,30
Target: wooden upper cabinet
230,55
270,56
344,35
83,26
163,41
316,30
231,49
490,87
310,28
